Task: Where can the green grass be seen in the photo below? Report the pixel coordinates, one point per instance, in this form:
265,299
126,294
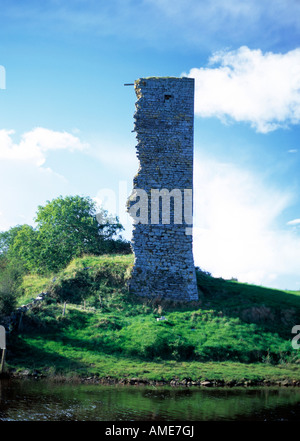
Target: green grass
31,287
235,332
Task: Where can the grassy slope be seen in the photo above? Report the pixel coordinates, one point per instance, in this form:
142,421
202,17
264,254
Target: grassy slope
235,331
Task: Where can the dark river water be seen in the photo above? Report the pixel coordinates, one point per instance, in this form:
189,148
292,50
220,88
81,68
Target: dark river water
28,400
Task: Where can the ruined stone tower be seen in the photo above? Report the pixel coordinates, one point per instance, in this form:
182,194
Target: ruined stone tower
161,200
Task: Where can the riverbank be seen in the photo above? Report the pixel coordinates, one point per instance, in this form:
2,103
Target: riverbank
96,380
136,382
170,373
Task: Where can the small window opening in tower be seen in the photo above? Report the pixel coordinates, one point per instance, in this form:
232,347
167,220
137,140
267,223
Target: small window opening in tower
168,97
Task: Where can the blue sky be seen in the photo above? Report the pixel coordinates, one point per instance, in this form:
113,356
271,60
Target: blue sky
66,118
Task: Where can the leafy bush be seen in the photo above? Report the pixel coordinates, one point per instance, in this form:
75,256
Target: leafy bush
10,287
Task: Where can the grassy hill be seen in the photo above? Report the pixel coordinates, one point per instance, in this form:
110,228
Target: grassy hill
90,326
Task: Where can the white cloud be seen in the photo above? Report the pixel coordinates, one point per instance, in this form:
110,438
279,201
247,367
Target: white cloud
235,235
34,144
294,222
247,85
26,181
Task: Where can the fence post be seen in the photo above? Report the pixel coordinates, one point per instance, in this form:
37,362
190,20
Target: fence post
2,346
64,309
2,360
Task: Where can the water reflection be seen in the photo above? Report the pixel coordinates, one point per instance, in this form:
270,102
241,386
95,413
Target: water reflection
42,401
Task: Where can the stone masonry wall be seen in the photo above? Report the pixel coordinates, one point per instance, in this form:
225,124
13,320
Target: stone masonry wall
162,231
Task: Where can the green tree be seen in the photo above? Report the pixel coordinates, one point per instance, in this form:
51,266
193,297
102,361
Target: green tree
24,248
66,228
7,239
